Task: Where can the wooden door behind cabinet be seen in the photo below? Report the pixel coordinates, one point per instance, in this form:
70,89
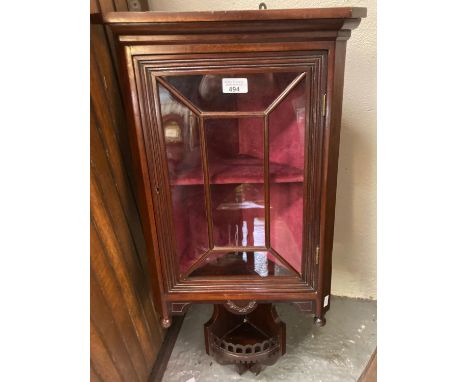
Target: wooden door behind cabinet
125,330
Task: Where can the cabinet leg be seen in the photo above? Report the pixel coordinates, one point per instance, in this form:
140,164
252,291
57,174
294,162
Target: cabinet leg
241,368
256,368
319,321
166,322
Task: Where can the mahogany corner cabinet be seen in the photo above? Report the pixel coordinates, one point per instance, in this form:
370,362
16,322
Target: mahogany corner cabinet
234,122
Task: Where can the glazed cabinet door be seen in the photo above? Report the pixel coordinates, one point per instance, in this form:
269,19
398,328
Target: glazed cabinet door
238,141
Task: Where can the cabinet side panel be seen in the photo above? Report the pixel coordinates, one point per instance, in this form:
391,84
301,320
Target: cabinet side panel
141,157
330,169
126,334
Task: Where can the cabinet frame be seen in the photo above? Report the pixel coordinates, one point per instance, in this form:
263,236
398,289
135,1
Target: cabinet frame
147,69
254,35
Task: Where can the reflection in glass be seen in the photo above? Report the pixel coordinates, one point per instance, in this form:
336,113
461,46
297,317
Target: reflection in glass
181,135
286,139
258,263
236,173
235,159
238,215
206,91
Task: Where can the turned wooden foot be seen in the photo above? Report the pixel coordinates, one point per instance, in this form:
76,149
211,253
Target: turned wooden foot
320,321
241,368
256,368
166,323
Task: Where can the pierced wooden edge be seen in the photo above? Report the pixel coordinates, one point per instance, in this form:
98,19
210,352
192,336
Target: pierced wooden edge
238,353
243,309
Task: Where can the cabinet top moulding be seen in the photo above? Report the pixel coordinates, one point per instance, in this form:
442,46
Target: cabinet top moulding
244,15
283,25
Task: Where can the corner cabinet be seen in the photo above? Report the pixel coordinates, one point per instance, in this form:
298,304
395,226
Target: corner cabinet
235,126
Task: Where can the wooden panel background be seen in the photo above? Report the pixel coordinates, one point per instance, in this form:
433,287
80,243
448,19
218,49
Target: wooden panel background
125,330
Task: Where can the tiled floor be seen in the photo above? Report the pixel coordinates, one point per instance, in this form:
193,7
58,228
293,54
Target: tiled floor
339,351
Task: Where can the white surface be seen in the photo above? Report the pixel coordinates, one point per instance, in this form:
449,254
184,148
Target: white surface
338,351
354,257
235,85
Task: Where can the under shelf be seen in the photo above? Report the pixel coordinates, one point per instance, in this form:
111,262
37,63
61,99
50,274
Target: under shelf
240,170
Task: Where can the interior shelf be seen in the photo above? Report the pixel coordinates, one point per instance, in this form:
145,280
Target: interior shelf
243,169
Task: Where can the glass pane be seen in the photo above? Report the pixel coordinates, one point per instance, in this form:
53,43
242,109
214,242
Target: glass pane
286,125
259,263
182,141
236,171
207,92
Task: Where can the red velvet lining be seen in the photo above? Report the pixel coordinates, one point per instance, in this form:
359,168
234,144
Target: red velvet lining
235,158
240,170
190,224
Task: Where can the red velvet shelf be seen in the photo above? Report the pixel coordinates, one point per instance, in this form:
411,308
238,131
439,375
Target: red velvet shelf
240,170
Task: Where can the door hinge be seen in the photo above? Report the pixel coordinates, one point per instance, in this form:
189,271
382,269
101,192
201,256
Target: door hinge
317,255
324,105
